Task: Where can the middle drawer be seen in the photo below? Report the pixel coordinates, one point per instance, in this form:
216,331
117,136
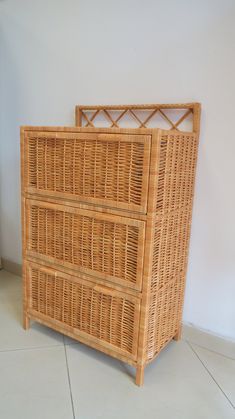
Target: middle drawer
107,246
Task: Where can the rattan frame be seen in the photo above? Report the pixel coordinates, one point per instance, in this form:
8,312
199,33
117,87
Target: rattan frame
165,212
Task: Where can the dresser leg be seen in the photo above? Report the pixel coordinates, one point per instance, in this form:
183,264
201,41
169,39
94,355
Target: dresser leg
139,379
178,335
26,321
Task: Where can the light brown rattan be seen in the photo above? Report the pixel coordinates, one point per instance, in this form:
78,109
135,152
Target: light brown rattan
102,245
97,312
75,163
87,115
106,216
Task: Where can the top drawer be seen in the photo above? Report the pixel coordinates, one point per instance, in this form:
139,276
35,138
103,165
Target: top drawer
100,168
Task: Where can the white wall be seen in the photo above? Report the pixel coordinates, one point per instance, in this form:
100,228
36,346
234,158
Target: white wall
57,53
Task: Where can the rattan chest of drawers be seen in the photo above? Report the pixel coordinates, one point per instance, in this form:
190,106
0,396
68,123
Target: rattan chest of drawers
106,215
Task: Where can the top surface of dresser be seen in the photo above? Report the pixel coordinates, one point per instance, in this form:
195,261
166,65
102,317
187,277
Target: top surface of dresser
94,166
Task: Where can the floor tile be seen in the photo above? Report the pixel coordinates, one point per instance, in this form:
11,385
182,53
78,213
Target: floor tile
176,386
12,334
34,385
70,341
221,368
10,287
34,382
209,341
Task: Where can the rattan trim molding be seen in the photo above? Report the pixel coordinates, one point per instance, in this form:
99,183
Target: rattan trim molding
191,109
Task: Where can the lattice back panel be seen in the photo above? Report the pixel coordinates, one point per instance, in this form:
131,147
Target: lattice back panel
184,117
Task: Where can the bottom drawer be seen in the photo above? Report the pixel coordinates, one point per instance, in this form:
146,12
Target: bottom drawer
101,314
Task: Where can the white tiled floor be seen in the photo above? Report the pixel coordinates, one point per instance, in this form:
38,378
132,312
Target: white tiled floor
46,376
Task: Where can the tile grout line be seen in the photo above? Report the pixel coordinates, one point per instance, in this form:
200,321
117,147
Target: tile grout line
69,380
208,371
73,343
2,351
210,350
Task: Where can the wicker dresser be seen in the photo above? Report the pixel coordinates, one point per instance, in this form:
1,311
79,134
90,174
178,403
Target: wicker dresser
106,214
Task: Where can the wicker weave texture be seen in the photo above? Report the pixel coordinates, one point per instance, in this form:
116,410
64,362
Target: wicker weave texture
106,218
89,167
176,174
87,241
100,313
176,171
164,315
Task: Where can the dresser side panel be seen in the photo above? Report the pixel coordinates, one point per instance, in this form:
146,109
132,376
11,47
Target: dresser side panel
176,167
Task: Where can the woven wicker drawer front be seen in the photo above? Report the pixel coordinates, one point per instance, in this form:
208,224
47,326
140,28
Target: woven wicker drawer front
107,316
107,169
103,245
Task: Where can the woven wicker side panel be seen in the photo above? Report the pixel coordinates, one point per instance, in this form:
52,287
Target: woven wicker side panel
107,317
110,170
168,278
170,251
84,242
177,164
164,315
